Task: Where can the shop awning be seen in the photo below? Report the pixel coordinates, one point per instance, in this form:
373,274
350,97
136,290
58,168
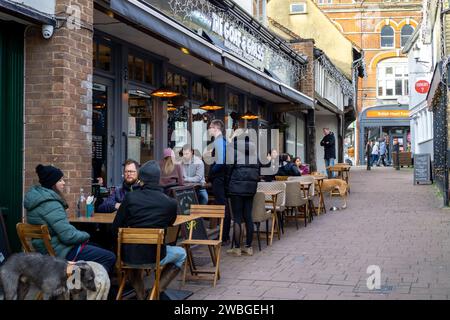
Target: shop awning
152,20
243,70
435,86
145,16
26,13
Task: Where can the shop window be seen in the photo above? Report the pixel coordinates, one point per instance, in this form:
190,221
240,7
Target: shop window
392,78
406,33
201,91
102,56
177,82
140,69
387,37
235,110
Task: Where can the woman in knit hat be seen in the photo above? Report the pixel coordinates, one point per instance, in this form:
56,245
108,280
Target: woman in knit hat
45,204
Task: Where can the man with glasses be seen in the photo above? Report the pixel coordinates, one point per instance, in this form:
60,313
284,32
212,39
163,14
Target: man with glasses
130,183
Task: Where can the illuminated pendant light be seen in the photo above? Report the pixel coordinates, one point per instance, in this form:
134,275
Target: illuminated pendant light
170,106
249,116
211,105
164,92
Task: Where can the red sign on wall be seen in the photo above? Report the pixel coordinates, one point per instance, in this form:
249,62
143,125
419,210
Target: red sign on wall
422,86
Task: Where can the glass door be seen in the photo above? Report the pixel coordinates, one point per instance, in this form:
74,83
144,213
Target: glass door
102,139
140,135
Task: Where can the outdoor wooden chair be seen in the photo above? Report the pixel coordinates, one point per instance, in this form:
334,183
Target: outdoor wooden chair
28,232
214,246
144,236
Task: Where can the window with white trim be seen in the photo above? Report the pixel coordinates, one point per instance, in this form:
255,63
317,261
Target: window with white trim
387,37
392,78
324,1
299,7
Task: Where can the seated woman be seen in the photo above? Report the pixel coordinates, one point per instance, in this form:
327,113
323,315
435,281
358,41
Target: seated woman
45,204
287,168
171,172
194,172
303,168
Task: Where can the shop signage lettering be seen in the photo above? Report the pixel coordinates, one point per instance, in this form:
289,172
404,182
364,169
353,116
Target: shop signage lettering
236,39
422,86
388,114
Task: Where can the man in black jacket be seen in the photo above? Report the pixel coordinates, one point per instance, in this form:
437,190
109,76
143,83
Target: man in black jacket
328,143
149,208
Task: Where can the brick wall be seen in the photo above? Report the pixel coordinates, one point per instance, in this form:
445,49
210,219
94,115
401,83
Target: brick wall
306,47
58,107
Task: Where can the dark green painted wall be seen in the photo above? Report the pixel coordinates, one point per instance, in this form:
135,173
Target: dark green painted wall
11,125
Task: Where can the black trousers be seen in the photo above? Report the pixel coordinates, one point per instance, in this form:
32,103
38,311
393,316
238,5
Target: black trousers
218,188
241,208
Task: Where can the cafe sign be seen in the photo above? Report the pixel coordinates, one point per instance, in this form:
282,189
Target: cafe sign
237,39
388,114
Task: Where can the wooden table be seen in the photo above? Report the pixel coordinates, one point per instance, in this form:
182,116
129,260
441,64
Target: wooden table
343,171
274,195
321,208
108,218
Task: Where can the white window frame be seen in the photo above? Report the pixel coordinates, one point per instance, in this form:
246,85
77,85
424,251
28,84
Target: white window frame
383,78
404,36
324,2
297,12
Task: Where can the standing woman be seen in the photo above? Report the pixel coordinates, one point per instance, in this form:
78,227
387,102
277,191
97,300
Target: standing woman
45,204
171,172
241,180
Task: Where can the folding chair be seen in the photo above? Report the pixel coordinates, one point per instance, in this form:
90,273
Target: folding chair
139,236
28,232
204,211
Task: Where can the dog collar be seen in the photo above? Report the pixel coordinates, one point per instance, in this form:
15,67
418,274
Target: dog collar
69,269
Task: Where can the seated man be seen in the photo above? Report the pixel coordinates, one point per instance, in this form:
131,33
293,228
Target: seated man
194,172
130,183
149,208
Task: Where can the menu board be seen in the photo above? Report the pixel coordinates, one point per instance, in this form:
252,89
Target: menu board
422,168
185,196
97,147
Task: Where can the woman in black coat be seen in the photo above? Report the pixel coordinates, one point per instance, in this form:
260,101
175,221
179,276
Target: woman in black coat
287,167
241,180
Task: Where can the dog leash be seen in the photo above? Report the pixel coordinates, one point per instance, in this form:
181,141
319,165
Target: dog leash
80,248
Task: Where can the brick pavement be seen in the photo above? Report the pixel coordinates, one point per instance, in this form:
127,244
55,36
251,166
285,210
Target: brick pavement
389,222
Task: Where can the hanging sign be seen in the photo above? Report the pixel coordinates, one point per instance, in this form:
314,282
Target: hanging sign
422,86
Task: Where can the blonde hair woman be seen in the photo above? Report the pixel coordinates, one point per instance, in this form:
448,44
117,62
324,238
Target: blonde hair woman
171,172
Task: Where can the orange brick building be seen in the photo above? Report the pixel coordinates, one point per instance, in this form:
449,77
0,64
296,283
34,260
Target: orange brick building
380,28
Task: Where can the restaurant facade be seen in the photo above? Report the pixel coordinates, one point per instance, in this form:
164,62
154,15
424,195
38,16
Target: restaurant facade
87,99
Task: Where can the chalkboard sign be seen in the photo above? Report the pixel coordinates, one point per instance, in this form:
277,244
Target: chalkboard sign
422,168
186,196
4,244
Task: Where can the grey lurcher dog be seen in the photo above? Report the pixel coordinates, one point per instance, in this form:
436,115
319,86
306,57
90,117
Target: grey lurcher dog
49,274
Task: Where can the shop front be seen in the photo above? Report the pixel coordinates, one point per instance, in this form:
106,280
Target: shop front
387,121
141,47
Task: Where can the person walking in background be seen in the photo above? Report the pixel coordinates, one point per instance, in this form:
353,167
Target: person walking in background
328,143
129,184
374,155
171,172
369,153
194,172
241,180
45,204
382,153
